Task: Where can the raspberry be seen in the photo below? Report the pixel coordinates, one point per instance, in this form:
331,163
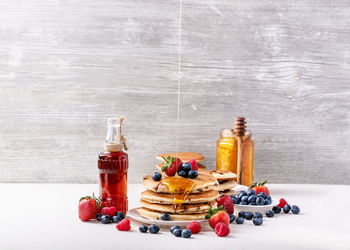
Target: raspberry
193,164
222,230
226,202
282,203
124,225
195,227
109,211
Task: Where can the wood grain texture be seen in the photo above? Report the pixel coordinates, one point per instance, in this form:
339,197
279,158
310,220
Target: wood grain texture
65,66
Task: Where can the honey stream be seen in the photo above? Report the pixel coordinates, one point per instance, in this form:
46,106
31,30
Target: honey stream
179,189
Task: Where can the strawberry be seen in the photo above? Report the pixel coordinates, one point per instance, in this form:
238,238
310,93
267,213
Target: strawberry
282,203
195,227
259,187
226,202
109,211
123,225
193,164
89,207
217,215
222,229
171,165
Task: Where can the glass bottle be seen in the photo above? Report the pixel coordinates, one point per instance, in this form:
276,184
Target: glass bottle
113,167
235,152
245,153
226,151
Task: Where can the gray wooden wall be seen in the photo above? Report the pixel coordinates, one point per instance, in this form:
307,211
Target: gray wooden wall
65,66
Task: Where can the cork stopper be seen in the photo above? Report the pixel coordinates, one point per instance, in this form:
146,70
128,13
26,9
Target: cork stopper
240,126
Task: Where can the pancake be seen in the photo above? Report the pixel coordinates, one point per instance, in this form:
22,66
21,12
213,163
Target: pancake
226,185
229,192
204,182
183,209
200,166
204,197
183,156
152,214
223,175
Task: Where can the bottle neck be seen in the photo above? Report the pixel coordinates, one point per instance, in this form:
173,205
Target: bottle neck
113,139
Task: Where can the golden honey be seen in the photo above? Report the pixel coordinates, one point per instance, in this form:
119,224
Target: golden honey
179,188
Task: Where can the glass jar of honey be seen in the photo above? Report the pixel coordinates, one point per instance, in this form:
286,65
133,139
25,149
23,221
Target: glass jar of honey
226,151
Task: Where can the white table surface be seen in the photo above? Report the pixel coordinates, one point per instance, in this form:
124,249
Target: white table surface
44,216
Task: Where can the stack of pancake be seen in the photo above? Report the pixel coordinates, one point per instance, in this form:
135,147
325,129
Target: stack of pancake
186,202
184,157
226,179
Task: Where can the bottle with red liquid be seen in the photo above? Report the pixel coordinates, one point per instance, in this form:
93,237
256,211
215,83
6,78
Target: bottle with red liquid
113,167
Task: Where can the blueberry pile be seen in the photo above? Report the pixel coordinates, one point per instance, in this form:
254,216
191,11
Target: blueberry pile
242,216
178,232
106,219
153,229
251,198
186,171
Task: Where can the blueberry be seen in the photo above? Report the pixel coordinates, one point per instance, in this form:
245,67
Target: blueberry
270,213
165,217
116,218
98,217
173,228
193,174
242,214
186,233
276,209
244,198
258,214
156,176
177,232
251,192
262,194
120,214
286,208
249,215
267,202
235,200
252,198
183,174
154,228
232,218
260,201
257,221
143,229
243,203
105,219
268,197
239,220
233,196
240,194
186,167
295,209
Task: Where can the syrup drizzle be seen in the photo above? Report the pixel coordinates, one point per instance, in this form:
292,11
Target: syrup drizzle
179,78
179,189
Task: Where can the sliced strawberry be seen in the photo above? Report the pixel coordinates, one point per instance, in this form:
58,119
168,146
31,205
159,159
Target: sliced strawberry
260,187
171,165
193,164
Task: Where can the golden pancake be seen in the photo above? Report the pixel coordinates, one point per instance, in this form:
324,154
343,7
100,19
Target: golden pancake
200,166
226,185
151,214
223,175
159,198
183,209
183,156
204,182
